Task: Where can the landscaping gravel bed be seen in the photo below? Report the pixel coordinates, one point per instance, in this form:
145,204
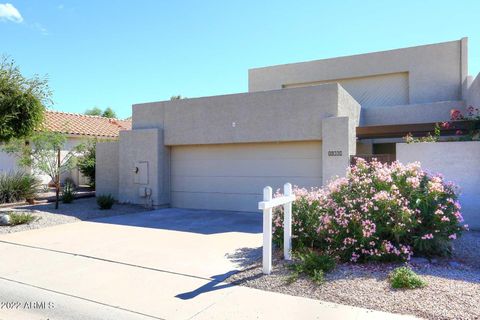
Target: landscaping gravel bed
80,209
453,290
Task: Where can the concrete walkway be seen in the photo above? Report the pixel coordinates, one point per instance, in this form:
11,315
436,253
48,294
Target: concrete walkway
164,264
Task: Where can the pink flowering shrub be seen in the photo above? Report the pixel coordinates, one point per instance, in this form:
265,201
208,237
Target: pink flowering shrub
378,212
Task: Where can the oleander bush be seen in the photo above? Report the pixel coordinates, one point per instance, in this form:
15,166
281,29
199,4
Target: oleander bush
377,212
17,186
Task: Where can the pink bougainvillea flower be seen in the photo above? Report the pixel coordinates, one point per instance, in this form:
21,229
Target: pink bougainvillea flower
445,125
456,114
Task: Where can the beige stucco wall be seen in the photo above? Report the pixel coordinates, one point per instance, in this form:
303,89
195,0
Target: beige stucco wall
458,162
338,145
474,93
8,162
414,113
145,145
436,72
232,176
106,168
279,115
371,91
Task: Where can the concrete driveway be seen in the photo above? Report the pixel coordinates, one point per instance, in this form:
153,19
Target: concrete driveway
163,264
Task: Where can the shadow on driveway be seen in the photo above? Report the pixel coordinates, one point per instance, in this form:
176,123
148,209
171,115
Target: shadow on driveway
189,220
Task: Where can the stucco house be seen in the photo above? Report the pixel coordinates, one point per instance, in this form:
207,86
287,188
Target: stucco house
298,122
78,128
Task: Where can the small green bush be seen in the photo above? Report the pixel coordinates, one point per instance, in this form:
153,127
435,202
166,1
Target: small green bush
313,265
405,278
86,163
17,186
105,201
68,192
21,218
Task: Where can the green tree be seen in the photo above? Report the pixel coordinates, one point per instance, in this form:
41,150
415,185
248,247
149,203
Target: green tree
22,101
86,162
109,113
42,152
95,111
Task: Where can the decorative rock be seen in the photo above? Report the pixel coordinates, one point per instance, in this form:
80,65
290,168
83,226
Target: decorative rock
4,219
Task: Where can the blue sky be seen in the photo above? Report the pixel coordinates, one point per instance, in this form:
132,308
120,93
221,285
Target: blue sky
116,53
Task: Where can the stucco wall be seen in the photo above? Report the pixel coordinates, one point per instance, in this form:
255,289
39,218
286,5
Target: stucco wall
338,145
8,162
435,72
145,145
279,115
458,162
414,113
474,93
106,168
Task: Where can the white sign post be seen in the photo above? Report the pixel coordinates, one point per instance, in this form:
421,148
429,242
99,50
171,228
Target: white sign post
267,232
287,223
267,205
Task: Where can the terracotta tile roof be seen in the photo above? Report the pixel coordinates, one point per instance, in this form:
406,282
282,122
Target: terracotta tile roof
80,124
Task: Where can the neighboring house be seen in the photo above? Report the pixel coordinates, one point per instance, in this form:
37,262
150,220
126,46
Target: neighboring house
78,128
299,123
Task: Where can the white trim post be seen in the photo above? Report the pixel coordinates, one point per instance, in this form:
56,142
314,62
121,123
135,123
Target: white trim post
267,232
287,224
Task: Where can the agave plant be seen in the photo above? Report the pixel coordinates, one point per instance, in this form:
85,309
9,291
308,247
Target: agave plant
17,186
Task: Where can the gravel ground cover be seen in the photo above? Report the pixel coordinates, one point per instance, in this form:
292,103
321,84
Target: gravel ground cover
80,209
453,290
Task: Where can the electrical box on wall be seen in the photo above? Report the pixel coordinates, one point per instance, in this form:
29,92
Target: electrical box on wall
140,172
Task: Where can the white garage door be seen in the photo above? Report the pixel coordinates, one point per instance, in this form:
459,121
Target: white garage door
231,177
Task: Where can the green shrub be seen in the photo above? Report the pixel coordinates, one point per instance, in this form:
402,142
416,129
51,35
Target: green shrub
17,186
68,192
86,163
105,201
20,218
405,278
313,265
377,212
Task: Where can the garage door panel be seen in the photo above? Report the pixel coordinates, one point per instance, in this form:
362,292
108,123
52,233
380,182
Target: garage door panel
238,184
231,177
247,168
249,151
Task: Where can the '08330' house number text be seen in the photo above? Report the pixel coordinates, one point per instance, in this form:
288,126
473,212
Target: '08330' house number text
335,153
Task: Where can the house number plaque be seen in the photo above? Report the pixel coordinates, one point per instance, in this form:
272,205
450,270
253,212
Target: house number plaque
335,153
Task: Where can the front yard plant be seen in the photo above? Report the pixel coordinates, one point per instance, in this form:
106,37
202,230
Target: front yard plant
86,162
105,201
378,212
20,218
313,265
405,278
17,186
68,192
